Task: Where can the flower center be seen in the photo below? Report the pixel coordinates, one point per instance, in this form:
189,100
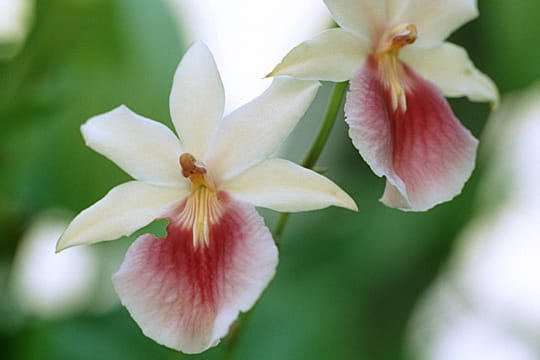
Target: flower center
398,37
202,207
193,170
386,55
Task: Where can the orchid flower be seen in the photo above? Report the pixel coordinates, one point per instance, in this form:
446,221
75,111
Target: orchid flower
185,290
399,66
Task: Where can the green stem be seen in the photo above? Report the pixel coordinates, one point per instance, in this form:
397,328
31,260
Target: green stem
280,226
334,105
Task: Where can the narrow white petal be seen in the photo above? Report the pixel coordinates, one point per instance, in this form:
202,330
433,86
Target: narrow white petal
362,18
449,67
145,149
197,99
254,131
435,19
282,185
334,55
125,209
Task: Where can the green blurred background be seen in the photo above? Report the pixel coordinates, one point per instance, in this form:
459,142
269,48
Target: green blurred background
346,283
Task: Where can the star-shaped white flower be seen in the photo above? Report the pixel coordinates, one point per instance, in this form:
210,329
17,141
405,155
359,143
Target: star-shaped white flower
218,256
394,53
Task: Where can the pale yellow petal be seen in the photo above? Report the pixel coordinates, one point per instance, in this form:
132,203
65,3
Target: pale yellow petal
197,99
434,19
361,17
125,209
448,66
334,55
254,131
145,149
281,185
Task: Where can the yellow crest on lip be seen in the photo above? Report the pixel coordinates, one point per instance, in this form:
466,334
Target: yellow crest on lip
202,207
386,55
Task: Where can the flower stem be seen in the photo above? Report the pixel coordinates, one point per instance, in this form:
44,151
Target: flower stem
334,105
328,123
280,226
318,145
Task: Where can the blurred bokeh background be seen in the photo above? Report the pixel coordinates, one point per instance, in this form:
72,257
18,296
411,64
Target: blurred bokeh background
459,282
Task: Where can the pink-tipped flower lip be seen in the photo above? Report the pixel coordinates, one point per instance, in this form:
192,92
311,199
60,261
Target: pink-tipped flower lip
184,294
423,150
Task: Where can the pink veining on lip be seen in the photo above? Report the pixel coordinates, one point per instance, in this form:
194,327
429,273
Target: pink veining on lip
196,286
421,147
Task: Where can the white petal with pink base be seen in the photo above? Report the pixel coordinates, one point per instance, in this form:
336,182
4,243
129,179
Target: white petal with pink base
398,118
186,289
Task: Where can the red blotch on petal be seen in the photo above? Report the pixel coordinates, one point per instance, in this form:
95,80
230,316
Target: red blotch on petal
424,152
185,296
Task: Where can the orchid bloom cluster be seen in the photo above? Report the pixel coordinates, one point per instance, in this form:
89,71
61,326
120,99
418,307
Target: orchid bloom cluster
186,289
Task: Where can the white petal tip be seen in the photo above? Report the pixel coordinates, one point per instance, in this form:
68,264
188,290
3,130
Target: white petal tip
346,202
279,70
59,248
272,73
90,125
492,92
494,103
352,207
64,243
198,46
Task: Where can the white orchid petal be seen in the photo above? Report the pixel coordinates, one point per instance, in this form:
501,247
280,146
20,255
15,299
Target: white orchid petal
197,99
449,67
125,209
363,18
254,131
185,296
281,185
334,55
145,149
436,20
